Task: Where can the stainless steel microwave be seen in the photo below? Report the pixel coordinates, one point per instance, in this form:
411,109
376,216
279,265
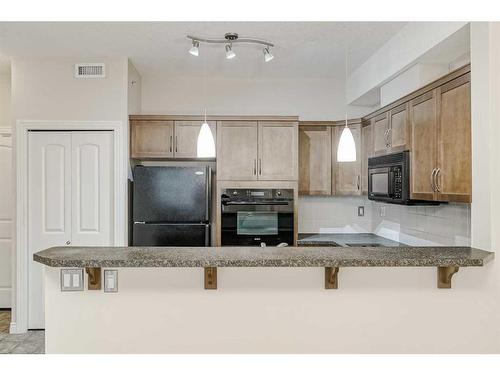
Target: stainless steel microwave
389,179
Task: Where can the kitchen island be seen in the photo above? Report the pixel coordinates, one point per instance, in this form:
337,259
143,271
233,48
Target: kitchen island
267,299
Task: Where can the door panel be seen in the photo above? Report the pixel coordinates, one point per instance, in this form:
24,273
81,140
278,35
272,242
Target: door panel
186,138
152,139
380,127
423,120
348,174
454,148
399,125
49,215
6,210
92,188
237,150
278,151
315,162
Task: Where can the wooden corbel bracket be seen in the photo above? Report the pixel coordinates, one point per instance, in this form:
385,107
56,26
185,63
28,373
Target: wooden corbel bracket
210,277
444,275
331,277
94,278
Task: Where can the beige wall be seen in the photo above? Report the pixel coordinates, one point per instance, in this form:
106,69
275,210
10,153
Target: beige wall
45,89
5,100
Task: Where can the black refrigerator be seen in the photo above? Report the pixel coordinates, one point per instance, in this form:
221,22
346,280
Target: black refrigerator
171,206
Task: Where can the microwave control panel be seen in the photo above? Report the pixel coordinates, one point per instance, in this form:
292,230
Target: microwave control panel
398,182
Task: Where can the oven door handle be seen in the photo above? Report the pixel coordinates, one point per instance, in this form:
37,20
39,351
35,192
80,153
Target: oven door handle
243,203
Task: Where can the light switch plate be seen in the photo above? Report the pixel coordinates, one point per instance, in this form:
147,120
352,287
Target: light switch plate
110,281
361,210
71,279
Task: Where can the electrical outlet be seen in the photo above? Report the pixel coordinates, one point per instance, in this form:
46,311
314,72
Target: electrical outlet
71,280
110,281
382,211
361,210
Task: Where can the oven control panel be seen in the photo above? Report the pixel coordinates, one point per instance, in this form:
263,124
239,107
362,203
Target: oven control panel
257,194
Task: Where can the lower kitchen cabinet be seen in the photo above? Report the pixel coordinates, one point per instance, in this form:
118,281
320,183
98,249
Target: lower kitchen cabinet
315,162
347,175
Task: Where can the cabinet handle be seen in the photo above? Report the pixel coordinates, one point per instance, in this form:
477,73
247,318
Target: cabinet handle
389,135
176,143
260,166
255,167
433,181
438,187
68,242
171,141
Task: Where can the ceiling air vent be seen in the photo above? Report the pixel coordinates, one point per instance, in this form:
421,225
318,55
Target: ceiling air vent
91,70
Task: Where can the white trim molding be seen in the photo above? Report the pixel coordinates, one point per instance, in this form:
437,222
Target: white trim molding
20,291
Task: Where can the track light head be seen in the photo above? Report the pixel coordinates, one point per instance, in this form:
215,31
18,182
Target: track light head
229,52
195,49
268,56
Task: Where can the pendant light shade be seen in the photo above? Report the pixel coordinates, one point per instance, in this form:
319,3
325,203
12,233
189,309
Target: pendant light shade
346,150
206,142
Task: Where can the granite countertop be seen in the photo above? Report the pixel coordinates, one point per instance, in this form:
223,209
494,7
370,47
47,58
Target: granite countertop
345,239
262,257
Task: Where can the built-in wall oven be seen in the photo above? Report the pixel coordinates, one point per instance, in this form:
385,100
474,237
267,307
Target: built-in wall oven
253,217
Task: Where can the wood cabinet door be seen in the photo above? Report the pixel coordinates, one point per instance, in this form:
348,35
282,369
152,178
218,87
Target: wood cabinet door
151,139
423,120
380,128
454,177
399,126
278,151
315,162
237,150
366,152
186,138
347,174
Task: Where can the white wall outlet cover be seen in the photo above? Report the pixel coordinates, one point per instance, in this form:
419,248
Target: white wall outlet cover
110,281
71,279
361,210
382,211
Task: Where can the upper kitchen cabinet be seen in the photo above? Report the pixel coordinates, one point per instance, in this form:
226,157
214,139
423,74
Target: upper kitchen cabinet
186,137
391,130
399,129
237,150
380,128
441,143
315,162
454,171
423,118
264,150
151,139
366,152
278,151
347,177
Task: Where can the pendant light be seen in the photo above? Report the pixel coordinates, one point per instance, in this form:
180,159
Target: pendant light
205,147
346,151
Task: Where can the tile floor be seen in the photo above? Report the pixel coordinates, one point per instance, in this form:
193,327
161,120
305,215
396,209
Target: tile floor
31,342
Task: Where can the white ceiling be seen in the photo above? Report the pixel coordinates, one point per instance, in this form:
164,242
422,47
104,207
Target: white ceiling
303,49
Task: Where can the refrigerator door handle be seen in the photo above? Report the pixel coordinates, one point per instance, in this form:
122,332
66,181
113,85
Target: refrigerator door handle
207,235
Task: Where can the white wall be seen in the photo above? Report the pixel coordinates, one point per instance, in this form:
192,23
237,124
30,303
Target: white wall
45,89
397,54
134,87
311,99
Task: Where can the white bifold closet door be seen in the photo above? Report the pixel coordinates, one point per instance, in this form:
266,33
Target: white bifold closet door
70,199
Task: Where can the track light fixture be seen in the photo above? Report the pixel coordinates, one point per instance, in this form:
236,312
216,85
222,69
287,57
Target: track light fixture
194,50
228,40
229,52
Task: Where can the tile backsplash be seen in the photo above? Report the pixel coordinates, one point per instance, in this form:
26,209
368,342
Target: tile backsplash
446,224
